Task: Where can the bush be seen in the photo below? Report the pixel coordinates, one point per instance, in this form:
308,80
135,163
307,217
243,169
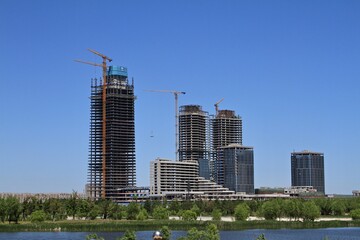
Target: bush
160,213
189,215
242,212
38,216
129,235
94,236
216,215
166,233
355,214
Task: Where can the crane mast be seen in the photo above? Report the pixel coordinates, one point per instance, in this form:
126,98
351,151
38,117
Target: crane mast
176,95
104,70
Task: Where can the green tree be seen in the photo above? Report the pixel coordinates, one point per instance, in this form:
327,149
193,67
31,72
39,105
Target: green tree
129,235
166,233
196,209
310,211
72,205
216,215
242,212
271,210
143,215
93,236
116,211
189,215
38,216
261,237
2,210
160,213
355,214
104,207
174,206
210,233
13,209
54,208
132,210
292,208
338,207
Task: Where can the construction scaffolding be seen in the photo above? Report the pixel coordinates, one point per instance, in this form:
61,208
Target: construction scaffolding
118,171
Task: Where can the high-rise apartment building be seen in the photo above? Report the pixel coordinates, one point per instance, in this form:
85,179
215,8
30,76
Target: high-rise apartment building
226,128
193,133
307,169
238,168
117,170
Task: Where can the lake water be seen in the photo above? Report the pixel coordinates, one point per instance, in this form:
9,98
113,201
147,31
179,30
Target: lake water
279,234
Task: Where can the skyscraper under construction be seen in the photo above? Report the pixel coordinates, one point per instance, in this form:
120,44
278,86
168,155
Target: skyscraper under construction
193,128
112,167
226,129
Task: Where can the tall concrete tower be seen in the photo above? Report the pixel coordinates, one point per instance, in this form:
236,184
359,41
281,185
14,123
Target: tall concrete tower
193,131
119,170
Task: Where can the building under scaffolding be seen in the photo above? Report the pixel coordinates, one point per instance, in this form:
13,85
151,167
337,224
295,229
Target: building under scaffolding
118,171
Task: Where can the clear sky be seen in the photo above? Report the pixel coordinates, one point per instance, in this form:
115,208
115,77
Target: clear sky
289,68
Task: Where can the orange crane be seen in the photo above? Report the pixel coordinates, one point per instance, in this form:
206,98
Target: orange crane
176,94
104,68
217,106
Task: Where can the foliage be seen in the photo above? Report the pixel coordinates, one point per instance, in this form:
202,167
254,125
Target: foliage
355,214
210,233
129,235
216,215
2,209
133,209
72,205
166,233
94,236
271,210
310,211
13,209
160,213
189,215
38,216
242,212
261,237
142,215
292,208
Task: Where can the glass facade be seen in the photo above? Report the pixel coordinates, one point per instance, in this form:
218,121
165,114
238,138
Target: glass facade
239,168
307,169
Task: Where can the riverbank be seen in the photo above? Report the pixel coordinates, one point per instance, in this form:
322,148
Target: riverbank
122,225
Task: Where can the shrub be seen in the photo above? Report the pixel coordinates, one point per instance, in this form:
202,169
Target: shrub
242,211
355,214
38,216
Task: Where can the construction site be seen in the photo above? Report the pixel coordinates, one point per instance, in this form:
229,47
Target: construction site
112,163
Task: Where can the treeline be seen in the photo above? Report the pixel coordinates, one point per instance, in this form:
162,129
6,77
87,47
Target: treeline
38,210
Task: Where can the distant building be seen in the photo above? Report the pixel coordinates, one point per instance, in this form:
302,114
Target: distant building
238,166
193,131
356,193
307,169
226,128
181,180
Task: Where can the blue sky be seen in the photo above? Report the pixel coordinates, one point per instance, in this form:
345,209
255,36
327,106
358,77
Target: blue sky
289,68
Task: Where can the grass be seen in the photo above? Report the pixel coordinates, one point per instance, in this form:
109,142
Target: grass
122,225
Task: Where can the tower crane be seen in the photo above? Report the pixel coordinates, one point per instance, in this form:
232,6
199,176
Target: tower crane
217,106
104,68
176,94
